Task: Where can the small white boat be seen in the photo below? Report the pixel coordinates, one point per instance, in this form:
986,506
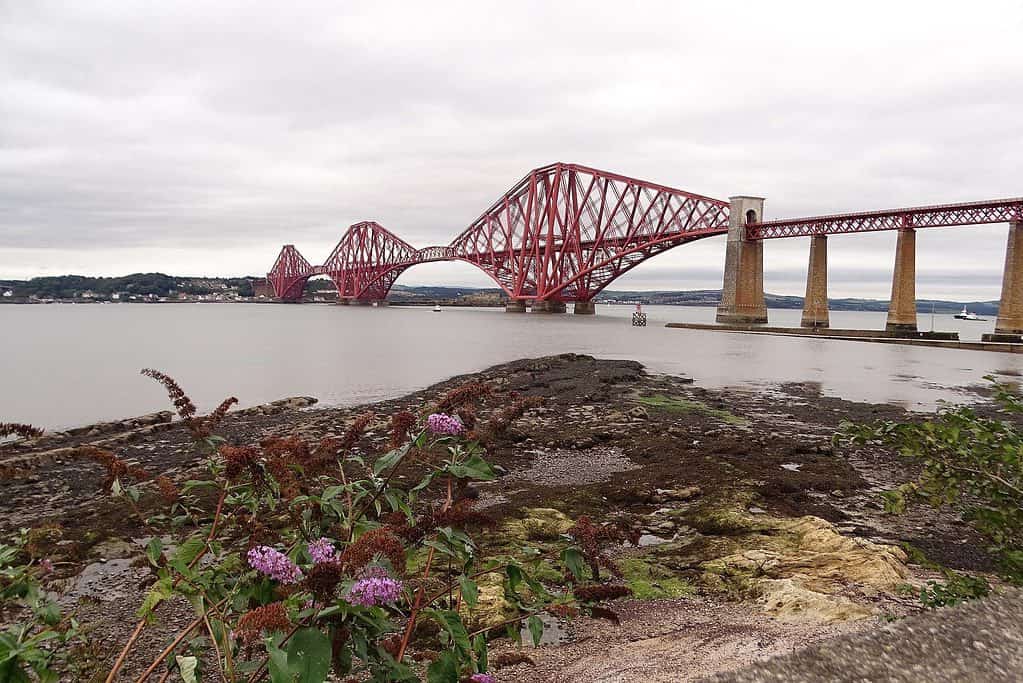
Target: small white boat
966,315
436,308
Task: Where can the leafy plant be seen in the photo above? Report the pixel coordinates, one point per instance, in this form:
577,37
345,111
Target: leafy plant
972,462
319,558
33,645
956,589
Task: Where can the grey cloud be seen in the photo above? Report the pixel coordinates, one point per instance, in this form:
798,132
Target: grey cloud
221,130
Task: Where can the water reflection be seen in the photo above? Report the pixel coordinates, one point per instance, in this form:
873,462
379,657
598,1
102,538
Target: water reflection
66,365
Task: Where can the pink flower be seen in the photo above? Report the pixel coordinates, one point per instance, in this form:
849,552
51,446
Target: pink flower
322,550
46,566
274,564
374,590
482,678
444,424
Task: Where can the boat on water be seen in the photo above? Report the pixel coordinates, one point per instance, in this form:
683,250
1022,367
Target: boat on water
436,308
966,315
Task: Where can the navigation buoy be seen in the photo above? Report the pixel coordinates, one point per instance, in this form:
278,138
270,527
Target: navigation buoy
639,317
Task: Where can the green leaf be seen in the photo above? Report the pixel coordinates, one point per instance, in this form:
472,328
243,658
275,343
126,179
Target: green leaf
278,664
452,623
444,669
535,626
389,459
479,648
576,563
187,667
160,591
309,655
514,578
470,591
154,549
474,467
189,550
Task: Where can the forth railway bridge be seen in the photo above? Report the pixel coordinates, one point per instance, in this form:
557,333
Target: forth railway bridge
565,232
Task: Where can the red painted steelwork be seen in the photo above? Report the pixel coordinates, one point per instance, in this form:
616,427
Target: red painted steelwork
945,215
563,232
289,274
566,231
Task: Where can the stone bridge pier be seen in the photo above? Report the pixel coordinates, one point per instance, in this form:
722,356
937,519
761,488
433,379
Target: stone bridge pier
815,304
742,293
1009,325
902,308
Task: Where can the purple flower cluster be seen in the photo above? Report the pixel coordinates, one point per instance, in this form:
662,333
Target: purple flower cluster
322,550
374,590
442,423
274,564
482,678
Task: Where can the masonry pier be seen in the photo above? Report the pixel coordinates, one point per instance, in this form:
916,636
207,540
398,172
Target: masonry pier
549,306
902,309
515,306
815,305
584,308
742,293
1009,326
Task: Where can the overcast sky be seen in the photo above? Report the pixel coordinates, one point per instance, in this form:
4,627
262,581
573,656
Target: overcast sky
197,137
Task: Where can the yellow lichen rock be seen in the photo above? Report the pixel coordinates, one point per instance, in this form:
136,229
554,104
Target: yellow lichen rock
547,519
797,567
790,600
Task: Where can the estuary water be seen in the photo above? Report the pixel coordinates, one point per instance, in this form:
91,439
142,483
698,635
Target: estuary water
68,365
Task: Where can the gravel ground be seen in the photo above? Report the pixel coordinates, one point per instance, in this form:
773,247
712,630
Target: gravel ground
664,641
978,641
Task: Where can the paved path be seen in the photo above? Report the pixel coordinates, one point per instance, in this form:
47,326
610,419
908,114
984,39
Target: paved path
979,641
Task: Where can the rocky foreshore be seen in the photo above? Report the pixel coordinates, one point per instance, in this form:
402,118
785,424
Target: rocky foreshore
756,536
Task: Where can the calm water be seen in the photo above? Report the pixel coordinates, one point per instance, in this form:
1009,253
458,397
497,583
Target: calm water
69,365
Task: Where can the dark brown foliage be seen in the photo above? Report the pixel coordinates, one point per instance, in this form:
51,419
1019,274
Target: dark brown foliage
564,611
465,395
323,580
591,539
510,659
462,514
356,430
401,423
391,644
115,467
22,430
182,404
601,591
218,414
459,515
467,414
272,617
200,428
375,542
502,419
239,460
598,612
168,490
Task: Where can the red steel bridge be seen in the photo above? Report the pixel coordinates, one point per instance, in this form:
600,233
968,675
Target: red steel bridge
565,232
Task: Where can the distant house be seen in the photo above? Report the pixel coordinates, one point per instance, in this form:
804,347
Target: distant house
7,293
116,296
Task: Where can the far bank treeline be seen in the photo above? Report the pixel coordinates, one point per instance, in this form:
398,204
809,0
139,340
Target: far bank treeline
161,285
139,284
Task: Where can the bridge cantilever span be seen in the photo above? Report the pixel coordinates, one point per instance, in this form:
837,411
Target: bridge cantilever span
564,232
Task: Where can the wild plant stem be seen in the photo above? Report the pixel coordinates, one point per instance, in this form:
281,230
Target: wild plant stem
142,622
